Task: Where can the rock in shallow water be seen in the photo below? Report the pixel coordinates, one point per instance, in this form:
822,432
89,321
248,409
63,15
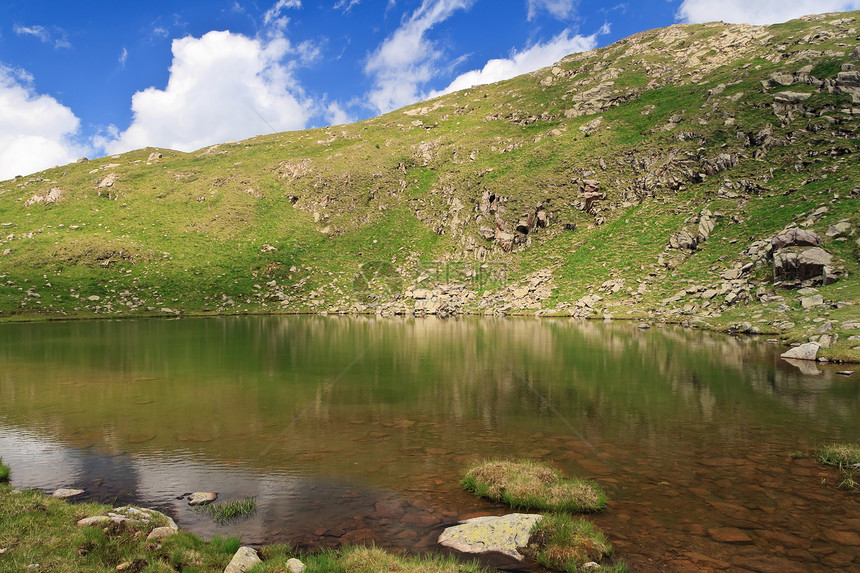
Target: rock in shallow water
64,493
491,534
202,497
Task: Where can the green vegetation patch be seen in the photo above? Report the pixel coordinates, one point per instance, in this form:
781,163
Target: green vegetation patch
4,472
529,484
839,455
564,543
229,510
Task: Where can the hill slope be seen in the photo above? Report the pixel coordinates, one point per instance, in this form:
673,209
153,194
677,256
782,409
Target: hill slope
656,177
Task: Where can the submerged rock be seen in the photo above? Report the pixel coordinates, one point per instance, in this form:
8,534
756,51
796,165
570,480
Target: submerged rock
202,497
491,534
64,493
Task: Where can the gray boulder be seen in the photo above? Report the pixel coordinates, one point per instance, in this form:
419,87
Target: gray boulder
503,534
792,267
243,560
808,351
795,237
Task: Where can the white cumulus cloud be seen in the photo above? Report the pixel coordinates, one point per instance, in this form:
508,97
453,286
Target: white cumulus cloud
407,59
222,87
758,11
561,9
36,131
533,58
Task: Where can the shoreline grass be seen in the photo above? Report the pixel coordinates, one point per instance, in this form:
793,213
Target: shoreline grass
532,485
40,533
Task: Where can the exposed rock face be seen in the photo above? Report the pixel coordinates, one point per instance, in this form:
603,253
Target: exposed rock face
796,267
244,559
491,534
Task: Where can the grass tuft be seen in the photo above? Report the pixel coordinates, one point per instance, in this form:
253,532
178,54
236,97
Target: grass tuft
229,510
4,472
529,484
564,543
841,455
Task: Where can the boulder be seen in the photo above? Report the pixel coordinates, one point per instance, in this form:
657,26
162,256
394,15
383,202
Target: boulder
505,240
808,351
503,534
812,301
795,266
791,97
795,237
243,560
706,225
295,566
683,240
487,233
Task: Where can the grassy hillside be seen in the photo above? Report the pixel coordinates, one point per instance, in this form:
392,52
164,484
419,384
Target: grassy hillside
558,192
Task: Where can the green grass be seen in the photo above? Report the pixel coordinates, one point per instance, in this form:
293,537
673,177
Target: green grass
224,512
532,485
38,529
4,472
562,543
839,454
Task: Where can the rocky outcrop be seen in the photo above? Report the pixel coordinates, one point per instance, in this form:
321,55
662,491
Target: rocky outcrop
49,198
799,261
795,267
488,534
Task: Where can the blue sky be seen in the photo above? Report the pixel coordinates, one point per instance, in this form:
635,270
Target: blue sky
103,77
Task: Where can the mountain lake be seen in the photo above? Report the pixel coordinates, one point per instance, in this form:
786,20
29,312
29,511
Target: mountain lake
356,430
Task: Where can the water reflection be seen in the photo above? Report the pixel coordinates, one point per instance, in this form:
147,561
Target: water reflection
356,429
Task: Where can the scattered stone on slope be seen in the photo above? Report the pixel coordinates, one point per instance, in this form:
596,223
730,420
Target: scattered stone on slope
106,181
49,198
487,534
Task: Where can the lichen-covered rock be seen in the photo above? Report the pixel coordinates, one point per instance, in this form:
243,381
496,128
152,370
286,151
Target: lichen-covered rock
243,560
503,534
